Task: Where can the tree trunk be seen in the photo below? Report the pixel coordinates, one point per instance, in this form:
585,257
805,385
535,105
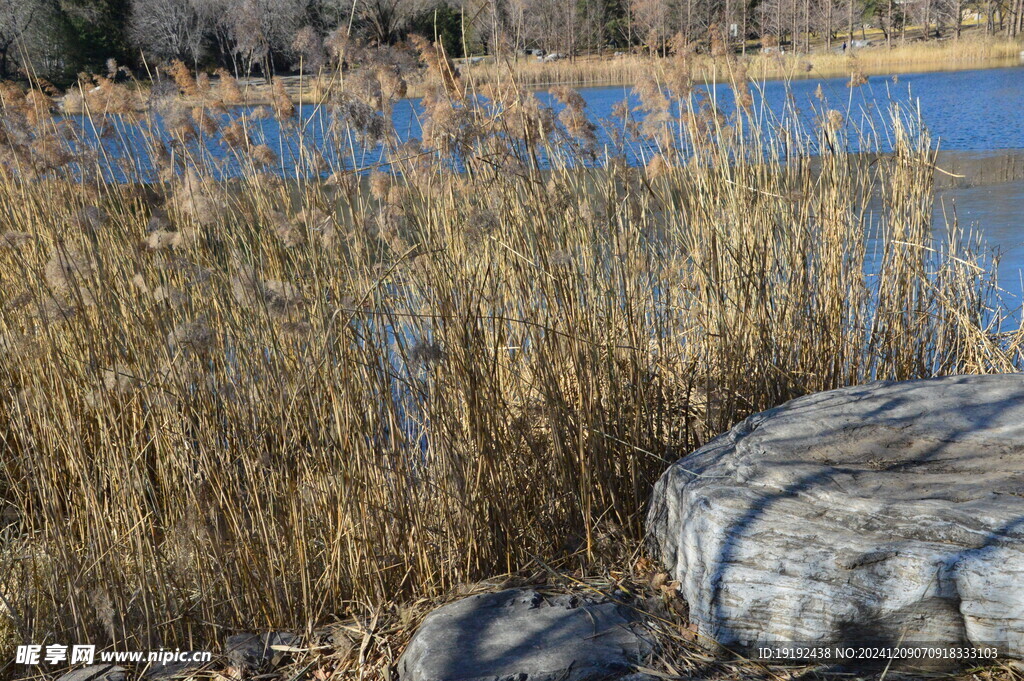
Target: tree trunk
828,26
807,26
796,26
629,26
689,19
849,26
888,32
728,27
743,30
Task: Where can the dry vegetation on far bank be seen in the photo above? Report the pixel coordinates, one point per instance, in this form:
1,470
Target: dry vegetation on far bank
628,69
624,69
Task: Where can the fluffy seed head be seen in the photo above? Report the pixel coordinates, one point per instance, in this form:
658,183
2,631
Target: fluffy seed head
195,336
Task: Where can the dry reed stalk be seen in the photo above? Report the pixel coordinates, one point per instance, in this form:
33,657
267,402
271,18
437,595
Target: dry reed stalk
259,402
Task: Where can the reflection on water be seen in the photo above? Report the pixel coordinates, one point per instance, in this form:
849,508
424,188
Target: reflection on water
964,111
973,116
995,211
988,201
970,110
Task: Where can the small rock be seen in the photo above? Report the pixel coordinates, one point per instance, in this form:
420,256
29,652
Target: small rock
523,635
96,672
254,651
244,650
173,670
343,645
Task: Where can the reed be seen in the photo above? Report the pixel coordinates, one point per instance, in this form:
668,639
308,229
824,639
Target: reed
531,73
627,69
265,401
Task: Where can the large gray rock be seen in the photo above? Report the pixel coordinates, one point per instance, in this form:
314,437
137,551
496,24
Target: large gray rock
521,635
876,514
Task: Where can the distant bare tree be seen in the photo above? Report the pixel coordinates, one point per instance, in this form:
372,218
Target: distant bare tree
45,52
515,16
170,29
550,24
593,18
309,47
385,18
478,27
829,17
542,26
258,28
651,17
16,18
776,18
955,10
693,18
921,12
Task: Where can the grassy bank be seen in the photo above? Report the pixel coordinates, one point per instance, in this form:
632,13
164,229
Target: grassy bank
629,69
265,404
528,73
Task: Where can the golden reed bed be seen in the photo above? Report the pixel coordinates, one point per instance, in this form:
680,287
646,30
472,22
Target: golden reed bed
274,401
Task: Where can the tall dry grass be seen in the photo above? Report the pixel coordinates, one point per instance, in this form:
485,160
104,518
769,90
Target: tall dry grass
628,69
266,401
97,95
973,52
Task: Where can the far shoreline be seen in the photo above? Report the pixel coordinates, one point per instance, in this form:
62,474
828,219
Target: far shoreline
1005,63
968,54
814,74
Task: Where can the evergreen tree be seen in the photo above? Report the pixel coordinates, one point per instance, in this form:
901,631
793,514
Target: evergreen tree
443,23
94,31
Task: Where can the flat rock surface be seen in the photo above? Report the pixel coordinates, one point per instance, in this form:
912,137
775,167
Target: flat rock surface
885,513
522,635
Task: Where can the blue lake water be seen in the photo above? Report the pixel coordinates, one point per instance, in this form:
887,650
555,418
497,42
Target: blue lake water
964,111
974,117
